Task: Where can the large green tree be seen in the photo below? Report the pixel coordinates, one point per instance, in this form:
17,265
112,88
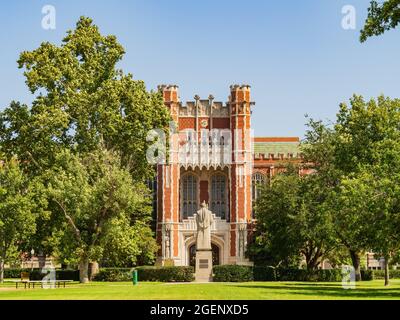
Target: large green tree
97,197
367,210
319,151
17,211
360,159
82,103
276,241
127,245
382,16
369,145
292,223
81,99
349,205
385,218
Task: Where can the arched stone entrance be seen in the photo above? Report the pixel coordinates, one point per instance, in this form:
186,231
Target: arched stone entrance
216,254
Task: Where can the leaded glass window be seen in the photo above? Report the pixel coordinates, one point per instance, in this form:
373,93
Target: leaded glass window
258,180
189,195
219,195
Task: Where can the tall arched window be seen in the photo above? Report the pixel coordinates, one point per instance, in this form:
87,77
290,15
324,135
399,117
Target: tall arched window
258,180
189,195
219,195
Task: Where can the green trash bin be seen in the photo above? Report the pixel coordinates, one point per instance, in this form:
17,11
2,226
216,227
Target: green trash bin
134,277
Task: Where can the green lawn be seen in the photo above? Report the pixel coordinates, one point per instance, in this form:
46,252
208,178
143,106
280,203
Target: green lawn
248,290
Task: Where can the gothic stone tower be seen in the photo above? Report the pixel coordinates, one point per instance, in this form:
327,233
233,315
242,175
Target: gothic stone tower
210,160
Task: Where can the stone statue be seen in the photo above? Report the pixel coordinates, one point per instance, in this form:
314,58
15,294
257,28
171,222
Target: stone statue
242,237
167,238
204,220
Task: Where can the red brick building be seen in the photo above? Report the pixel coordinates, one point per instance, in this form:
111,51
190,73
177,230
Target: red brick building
215,158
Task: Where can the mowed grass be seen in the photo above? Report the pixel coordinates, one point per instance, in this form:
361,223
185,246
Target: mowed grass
225,291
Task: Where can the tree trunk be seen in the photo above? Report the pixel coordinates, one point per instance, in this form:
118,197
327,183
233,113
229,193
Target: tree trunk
1,270
84,270
42,260
312,265
94,269
355,259
313,260
386,271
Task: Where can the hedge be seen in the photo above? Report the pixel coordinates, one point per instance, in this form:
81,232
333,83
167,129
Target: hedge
327,275
114,274
66,274
321,275
264,273
233,273
380,274
166,274
36,274
367,275
222,273
159,274
291,274
238,273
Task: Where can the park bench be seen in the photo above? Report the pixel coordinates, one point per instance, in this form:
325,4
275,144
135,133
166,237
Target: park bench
25,280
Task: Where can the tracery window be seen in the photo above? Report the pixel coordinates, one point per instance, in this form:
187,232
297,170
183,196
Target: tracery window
189,195
219,195
258,180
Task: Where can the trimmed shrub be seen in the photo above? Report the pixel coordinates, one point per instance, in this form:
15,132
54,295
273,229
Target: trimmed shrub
36,274
67,274
233,273
367,275
328,275
114,274
236,273
14,273
283,274
166,274
161,274
261,273
380,274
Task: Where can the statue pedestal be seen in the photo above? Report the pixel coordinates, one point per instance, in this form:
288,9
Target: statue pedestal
203,266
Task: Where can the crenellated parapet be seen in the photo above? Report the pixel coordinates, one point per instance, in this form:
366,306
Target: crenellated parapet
205,108
238,103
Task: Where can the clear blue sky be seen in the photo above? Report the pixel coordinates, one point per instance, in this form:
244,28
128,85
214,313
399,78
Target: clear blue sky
294,54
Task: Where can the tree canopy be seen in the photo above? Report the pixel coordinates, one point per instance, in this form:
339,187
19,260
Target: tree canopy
82,99
351,198
292,222
18,205
381,17
97,200
84,138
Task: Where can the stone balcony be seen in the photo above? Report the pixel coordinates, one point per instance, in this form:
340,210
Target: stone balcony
189,224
